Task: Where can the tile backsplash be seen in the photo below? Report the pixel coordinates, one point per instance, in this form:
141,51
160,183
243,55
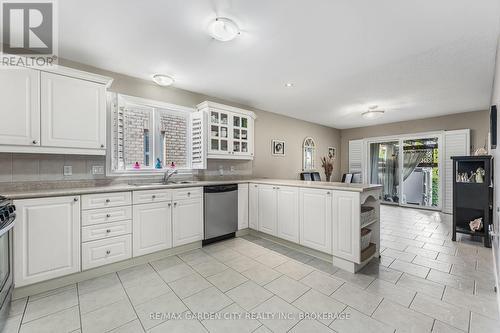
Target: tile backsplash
46,167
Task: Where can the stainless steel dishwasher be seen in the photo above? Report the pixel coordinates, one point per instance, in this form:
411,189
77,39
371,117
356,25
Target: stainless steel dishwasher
220,212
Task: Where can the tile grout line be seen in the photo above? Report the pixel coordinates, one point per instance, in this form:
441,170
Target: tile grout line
79,307
130,301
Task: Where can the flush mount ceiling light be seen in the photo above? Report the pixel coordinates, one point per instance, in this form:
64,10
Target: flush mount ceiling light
163,80
223,29
289,84
373,113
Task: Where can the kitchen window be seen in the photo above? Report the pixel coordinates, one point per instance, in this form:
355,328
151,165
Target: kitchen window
148,136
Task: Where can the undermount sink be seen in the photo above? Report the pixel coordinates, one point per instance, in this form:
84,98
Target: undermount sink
162,183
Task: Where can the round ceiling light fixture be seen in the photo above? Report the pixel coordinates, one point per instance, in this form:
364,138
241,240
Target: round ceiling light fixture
289,84
373,112
163,80
223,29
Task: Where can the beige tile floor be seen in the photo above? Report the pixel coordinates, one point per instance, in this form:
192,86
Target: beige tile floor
424,282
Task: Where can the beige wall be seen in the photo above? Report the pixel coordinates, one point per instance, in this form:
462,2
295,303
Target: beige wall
477,121
268,126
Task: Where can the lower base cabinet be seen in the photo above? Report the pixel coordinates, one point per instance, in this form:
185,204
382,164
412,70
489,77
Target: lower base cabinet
316,219
106,251
267,209
152,228
46,239
287,201
187,221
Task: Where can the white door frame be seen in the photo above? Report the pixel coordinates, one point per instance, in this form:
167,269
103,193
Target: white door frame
400,138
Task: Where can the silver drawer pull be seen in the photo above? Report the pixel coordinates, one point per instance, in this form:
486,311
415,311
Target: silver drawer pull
175,204
108,201
189,193
108,251
169,204
153,196
75,199
108,230
108,215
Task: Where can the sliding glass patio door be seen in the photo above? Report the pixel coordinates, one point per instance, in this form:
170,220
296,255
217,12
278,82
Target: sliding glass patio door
408,168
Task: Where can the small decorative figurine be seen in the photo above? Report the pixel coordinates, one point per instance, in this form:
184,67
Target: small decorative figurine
480,175
158,164
137,165
172,165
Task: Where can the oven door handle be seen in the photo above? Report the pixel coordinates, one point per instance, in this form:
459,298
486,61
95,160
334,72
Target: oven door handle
8,226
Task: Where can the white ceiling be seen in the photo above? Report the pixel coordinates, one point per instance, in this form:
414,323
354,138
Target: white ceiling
415,59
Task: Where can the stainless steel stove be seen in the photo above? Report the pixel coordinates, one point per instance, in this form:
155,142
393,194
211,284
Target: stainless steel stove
7,218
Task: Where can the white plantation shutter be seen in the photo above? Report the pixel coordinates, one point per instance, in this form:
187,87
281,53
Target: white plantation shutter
198,142
456,143
356,156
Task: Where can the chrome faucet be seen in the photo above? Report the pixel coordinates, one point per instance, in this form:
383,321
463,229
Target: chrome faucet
167,175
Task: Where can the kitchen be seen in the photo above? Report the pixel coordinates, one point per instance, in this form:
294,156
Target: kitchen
144,203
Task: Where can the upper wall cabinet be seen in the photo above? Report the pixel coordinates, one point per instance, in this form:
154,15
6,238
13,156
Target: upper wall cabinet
229,131
19,107
73,112
57,111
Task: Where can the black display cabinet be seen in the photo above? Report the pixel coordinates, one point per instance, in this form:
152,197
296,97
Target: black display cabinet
472,195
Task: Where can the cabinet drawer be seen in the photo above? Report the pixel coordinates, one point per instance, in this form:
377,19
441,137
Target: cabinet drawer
106,251
150,196
106,230
105,215
103,200
188,193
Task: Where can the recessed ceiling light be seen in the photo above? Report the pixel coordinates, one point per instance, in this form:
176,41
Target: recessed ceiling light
223,29
373,113
163,80
289,84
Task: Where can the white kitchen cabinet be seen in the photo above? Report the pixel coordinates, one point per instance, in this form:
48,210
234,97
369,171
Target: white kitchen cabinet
242,206
346,225
230,131
187,221
316,219
253,206
73,112
287,201
46,239
152,228
106,251
267,209
53,111
19,107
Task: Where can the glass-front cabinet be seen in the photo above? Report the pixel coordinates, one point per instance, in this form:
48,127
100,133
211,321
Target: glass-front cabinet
230,134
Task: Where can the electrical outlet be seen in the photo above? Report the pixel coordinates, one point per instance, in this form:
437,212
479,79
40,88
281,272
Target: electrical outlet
98,169
68,170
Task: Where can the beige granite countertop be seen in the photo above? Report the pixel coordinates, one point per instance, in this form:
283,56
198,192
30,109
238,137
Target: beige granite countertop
39,193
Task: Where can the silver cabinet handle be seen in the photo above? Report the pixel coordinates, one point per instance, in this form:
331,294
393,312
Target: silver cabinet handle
175,204
108,251
108,201
328,192
153,196
75,199
169,204
35,142
189,194
108,215
108,231
277,188
102,146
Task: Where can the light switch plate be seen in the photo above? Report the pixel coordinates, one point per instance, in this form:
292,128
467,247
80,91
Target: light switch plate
98,169
68,170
